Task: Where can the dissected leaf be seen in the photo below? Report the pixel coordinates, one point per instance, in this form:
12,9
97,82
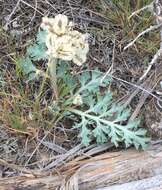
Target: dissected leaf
109,120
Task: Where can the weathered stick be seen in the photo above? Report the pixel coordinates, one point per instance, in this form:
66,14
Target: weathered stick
152,183
96,172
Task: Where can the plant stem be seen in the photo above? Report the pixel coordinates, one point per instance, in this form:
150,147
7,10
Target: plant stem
52,69
111,124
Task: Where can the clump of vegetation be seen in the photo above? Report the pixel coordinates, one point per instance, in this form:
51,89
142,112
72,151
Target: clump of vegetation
83,98
126,28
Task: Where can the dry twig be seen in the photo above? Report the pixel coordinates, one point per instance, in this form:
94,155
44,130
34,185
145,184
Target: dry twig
151,28
147,7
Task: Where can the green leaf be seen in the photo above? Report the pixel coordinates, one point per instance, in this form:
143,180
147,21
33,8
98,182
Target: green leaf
115,139
141,132
85,135
25,65
37,52
111,127
101,104
41,37
122,115
85,132
103,120
91,81
99,134
84,78
62,69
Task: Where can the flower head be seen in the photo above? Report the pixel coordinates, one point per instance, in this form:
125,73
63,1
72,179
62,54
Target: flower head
78,100
80,46
61,24
59,48
58,25
63,42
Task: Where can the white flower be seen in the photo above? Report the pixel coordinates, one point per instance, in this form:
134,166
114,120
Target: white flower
78,100
81,48
60,47
63,42
79,58
50,42
58,25
47,24
61,24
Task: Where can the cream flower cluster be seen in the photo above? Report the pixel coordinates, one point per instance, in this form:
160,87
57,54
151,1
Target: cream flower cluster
63,42
78,100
